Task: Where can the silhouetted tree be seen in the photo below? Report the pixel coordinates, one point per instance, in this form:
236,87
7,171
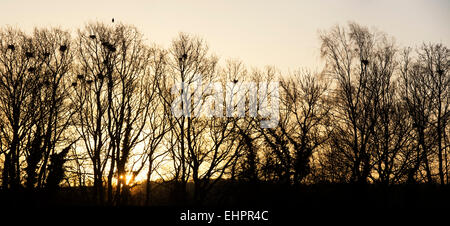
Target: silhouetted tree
436,58
425,93
306,119
18,89
54,113
33,100
114,98
360,61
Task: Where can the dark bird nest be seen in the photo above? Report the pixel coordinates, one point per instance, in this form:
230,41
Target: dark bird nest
112,48
183,57
92,36
29,54
80,76
11,47
109,46
31,69
63,48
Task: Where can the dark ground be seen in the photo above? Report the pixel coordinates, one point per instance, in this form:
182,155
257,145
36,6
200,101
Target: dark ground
321,203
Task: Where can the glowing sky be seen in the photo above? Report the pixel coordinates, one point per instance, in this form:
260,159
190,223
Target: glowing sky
280,33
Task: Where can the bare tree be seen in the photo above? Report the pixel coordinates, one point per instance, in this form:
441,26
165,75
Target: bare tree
53,50
425,92
359,61
436,59
18,90
187,62
307,115
113,99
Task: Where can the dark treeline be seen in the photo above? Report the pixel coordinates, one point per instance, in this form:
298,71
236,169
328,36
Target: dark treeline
93,110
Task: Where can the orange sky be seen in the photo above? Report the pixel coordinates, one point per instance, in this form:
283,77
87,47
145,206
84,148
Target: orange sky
280,33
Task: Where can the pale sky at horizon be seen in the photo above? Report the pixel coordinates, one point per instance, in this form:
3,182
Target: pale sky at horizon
279,33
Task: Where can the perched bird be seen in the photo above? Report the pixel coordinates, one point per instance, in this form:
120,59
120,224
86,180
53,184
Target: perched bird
80,76
113,19
92,36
